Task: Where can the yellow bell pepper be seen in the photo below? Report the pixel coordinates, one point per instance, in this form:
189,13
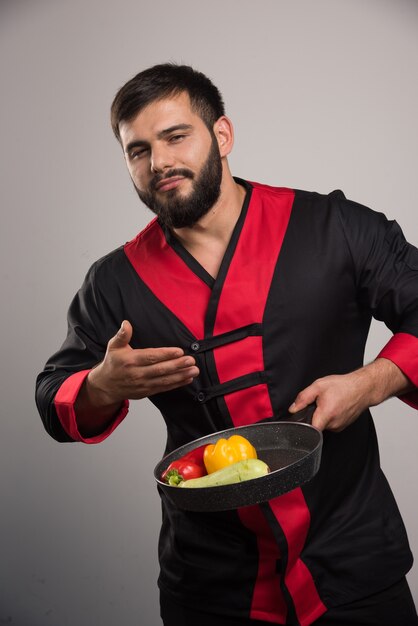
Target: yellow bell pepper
227,451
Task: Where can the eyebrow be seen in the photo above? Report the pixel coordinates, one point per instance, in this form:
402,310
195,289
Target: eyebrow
138,143
172,129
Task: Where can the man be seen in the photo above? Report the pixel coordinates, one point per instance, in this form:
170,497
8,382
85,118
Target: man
239,301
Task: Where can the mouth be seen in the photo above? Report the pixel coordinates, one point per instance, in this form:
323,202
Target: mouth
169,183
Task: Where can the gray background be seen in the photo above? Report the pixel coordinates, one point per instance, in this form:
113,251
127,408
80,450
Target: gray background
323,95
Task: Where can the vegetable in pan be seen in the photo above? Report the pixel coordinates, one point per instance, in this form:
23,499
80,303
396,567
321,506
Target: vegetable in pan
190,466
226,462
229,475
227,451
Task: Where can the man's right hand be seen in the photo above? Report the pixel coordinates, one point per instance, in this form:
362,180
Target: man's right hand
130,374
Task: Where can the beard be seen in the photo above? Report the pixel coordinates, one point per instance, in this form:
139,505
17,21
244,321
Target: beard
176,211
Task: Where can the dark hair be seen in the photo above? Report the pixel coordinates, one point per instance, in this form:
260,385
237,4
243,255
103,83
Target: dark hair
162,81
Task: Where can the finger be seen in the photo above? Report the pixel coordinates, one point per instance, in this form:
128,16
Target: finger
122,337
154,356
176,378
170,387
304,397
151,386
320,420
167,370
328,413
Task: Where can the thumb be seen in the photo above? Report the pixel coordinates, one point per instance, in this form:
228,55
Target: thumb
122,337
305,397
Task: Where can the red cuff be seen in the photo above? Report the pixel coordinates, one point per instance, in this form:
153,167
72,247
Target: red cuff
402,350
64,404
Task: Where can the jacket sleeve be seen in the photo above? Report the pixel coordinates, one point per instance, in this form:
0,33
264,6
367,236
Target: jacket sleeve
94,316
386,269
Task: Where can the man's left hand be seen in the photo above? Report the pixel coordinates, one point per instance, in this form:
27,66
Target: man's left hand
340,399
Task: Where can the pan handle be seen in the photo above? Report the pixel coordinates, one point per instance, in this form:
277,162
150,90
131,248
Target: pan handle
304,415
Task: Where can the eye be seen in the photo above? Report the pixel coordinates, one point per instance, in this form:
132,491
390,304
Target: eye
137,153
176,138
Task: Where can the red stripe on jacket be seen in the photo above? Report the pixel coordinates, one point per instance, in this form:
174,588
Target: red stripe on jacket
267,601
169,278
402,350
244,295
243,301
292,513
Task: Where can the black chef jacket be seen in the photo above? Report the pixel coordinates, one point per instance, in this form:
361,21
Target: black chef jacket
300,281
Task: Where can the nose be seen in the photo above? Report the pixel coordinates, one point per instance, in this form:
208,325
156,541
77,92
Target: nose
160,159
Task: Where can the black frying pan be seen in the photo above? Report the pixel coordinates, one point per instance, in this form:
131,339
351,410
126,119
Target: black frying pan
291,449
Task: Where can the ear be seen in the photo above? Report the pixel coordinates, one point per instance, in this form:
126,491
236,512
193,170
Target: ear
224,133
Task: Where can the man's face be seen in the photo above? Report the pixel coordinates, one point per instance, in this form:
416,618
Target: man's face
173,160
